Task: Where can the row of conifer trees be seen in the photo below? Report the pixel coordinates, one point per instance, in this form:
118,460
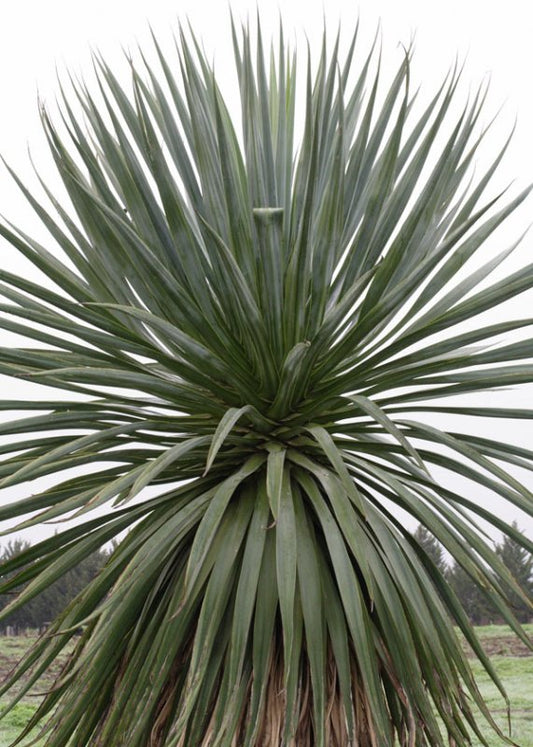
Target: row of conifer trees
38,612
478,608
42,609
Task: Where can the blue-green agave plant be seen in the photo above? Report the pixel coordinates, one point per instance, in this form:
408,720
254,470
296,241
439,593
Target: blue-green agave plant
261,328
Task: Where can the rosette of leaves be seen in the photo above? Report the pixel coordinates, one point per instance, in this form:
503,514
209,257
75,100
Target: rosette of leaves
260,328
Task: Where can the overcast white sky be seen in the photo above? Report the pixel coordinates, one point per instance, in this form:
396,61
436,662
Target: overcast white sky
495,40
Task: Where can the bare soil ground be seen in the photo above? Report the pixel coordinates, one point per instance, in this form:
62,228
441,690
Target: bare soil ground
505,645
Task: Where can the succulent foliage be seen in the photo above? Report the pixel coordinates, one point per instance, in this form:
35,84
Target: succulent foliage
261,327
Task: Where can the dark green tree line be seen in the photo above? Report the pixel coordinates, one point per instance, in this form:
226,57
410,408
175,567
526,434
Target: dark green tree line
520,564
43,608
478,607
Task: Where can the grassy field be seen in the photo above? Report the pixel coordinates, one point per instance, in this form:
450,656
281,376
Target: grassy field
516,674
511,660
514,665
11,650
